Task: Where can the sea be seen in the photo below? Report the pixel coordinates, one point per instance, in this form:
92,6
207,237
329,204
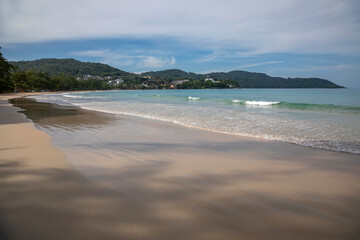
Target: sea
318,118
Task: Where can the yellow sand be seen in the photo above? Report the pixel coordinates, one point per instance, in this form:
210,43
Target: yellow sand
224,187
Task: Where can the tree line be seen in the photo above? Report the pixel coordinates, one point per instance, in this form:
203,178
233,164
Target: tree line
202,84
13,79
68,66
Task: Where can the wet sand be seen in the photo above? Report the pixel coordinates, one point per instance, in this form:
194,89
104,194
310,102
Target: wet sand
153,180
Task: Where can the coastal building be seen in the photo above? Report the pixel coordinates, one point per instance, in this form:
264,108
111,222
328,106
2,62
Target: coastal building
176,82
109,78
116,81
119,81
211,79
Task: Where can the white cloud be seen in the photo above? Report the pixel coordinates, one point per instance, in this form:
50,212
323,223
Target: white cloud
172,61
212,56
242,67
121,58
260,26
113,58
155,62
250,65
335,67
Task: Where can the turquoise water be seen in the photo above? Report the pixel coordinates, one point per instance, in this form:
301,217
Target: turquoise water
320,118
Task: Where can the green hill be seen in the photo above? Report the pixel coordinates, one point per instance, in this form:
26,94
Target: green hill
243,79
246,79
70,67
172,74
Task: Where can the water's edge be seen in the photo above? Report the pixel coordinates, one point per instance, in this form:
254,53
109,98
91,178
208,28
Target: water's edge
259,120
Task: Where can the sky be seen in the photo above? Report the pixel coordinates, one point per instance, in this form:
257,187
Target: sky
286,38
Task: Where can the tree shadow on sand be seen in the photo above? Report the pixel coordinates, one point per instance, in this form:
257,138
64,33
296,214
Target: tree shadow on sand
51,203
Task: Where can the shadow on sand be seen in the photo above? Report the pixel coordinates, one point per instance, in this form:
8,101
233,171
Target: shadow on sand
54,204
60,203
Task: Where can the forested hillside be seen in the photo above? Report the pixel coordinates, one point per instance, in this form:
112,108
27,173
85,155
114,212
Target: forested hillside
246,79
69,74
70,67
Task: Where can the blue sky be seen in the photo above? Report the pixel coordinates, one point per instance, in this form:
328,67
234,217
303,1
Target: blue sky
289,38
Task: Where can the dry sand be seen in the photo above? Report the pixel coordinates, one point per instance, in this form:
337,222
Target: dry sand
172,182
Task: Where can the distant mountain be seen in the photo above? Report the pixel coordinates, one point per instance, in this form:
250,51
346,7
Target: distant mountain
69,66
172,74
260,80
246,79
243,79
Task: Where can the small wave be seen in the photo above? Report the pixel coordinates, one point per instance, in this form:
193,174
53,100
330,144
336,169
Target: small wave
298,106
71,96
319,107
333,145
260,103
194,98
254,103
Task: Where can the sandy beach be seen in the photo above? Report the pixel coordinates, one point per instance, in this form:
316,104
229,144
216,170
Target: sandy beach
165,181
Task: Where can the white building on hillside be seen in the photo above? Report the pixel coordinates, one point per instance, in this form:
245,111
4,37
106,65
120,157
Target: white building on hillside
211,79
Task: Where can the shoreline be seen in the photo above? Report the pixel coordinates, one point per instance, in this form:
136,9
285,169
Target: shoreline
244,137
169,182
314,144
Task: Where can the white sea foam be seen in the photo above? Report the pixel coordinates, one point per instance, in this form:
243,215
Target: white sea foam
260,103
251,125
244,121
71,96
194,98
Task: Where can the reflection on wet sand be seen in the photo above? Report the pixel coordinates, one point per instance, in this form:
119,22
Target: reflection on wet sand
48,115
141,179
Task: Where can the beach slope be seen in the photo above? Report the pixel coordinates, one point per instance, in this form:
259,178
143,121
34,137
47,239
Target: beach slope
199,185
